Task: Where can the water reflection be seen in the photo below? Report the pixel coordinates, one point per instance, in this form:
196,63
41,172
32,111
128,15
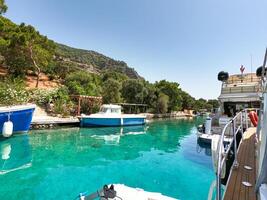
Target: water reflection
15,154
114,139
203,147
92,146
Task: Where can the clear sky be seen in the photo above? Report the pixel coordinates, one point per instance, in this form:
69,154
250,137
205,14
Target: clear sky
187,41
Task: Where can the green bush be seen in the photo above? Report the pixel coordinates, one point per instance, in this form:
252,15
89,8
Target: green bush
81,83
13,92
42,96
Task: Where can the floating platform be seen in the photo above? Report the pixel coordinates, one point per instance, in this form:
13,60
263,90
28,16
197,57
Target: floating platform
49,122
207,138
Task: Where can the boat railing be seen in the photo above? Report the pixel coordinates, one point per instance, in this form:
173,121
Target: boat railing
248,78
236,125
240,89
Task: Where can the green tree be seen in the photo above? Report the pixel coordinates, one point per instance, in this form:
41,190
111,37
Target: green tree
200,104
39,49
214,103
151,96
133,91
172,90
109,74
82,83
111,91
3,7
162,103
187,100
24,49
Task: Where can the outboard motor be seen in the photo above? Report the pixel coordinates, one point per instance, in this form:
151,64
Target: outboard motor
103,194
208,125
201,128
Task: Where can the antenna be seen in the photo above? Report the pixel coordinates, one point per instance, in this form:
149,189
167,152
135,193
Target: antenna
251,66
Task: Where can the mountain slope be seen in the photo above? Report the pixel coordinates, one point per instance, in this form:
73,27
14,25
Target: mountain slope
92,61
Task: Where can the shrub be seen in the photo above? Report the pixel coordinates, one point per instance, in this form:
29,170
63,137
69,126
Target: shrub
13,92
42,96
58,97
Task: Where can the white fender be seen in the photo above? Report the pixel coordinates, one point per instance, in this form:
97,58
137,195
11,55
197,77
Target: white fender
208,125
121,121
7,129
215,152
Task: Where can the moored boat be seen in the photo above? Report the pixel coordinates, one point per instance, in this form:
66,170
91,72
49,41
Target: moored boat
238,92
18,118
111,115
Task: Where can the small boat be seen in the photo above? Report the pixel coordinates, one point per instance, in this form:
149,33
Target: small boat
121,191
110,115
15,119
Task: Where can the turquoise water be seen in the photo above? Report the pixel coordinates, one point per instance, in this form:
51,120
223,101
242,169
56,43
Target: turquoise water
59,164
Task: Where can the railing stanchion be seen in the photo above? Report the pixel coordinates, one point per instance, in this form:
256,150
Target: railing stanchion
246,115
218,180
233,127
235,145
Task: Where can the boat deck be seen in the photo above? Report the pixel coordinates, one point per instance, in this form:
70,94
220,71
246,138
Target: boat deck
235,189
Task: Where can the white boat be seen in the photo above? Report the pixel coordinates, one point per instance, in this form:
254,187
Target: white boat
111,115
121,191
238,92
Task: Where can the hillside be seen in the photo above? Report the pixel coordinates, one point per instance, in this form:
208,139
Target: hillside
91,61
67,59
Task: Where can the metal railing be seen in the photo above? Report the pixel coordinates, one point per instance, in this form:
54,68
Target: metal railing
235,125
247,78
241,89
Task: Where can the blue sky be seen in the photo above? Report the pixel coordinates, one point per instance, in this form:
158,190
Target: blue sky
187,41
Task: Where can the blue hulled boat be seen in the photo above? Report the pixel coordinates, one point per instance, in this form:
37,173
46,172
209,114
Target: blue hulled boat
20,116
110,115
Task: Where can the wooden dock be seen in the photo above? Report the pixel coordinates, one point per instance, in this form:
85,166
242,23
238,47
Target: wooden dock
235,188
49,122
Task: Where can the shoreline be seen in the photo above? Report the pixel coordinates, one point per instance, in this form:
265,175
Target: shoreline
49,122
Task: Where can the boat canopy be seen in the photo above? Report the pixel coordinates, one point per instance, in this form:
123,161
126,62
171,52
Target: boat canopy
110,108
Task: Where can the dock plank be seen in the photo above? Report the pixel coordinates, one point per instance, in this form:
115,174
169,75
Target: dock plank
235,190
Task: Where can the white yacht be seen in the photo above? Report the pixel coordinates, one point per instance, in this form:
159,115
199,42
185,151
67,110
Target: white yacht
247,176
238,92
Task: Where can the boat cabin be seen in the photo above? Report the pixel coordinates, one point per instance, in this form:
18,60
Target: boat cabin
239,92
110,109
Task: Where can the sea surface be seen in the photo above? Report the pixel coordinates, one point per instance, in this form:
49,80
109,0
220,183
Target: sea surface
162,156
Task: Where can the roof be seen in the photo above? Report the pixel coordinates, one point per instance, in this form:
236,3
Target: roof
111,106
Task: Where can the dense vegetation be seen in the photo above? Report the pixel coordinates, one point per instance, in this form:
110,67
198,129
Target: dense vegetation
91,61
24,51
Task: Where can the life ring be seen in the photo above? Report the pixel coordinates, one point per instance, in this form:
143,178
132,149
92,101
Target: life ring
253,118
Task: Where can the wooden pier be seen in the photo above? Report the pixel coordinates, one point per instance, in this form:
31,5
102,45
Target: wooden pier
245,172
49,122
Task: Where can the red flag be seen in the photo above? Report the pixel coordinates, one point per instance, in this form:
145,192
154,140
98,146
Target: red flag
242,69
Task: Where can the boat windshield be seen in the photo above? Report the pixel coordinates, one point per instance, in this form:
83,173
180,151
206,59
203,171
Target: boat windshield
110,110
103,109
